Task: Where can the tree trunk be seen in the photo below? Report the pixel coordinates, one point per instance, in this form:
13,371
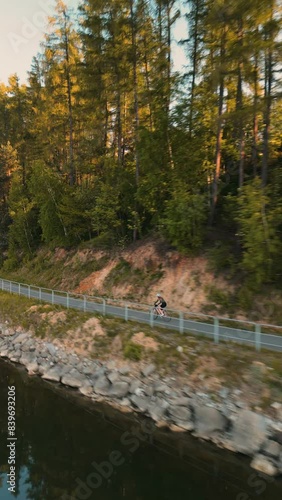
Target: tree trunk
136,107
194,66
72,175
266,115
219,129
255,119
268,81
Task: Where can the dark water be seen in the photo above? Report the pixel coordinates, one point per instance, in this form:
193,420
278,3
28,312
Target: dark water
69,450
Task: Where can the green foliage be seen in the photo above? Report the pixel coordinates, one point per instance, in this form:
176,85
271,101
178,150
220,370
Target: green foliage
222,258
258,223
9,164
119,274
132,351
104,214
245,298
184,220
73,210
47,190
111,143
24,231
226,300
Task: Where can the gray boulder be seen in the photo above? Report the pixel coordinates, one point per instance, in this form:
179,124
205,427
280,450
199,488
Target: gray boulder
21,338
264,465
135,384
73,360
28,345
119,389
124,370
148,370
249,432
52,349
272,449
86,389
102,386
43,367
179,413
158,409
74,379
181,401
208,421
53,374
27,358
90,368
15,356
32,368
149,390
140,402
113,377
161,387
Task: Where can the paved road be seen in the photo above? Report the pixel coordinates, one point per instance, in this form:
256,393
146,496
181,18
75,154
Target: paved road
218,333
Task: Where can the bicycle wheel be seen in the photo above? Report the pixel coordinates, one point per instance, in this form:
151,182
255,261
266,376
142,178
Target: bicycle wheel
155,314
166,317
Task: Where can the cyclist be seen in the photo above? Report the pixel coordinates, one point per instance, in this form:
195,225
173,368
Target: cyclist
160,305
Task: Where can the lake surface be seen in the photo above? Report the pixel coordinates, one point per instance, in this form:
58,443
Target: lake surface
70,449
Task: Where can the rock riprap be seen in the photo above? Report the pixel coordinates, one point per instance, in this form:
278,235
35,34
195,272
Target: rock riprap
227,424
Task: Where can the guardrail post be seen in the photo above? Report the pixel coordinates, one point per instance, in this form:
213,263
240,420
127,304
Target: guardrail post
151,318
19,288
258,337
10,287
104,306
52,296
181,322
84,303
2,285
126,312
29,291
216,330
40,295
68,300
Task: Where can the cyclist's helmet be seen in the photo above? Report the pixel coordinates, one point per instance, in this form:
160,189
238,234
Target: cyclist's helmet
158,295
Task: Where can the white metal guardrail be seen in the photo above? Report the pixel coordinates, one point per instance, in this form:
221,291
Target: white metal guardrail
219,329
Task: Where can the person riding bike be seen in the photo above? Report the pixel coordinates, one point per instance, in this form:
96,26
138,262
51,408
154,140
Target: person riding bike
160,305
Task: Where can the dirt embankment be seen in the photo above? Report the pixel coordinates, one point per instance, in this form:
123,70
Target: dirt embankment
139,271
142,270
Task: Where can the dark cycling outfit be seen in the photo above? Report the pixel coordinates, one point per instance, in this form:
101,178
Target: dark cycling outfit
162,304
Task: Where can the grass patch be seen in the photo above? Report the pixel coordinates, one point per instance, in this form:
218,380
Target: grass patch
133,351
35,316
224,301
167,359
61,272
125,273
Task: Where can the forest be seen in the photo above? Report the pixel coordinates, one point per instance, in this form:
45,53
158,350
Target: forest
107,142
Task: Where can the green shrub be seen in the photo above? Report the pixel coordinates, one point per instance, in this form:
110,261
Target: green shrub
221,258
132,351
221,298
11,264
258,223
185,219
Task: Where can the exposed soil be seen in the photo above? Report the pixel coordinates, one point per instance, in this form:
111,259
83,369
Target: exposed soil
183,281
147,342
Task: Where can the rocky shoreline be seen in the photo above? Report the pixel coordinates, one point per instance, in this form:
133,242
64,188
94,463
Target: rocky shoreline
229,423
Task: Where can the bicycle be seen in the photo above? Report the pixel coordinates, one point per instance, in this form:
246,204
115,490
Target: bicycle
157,314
